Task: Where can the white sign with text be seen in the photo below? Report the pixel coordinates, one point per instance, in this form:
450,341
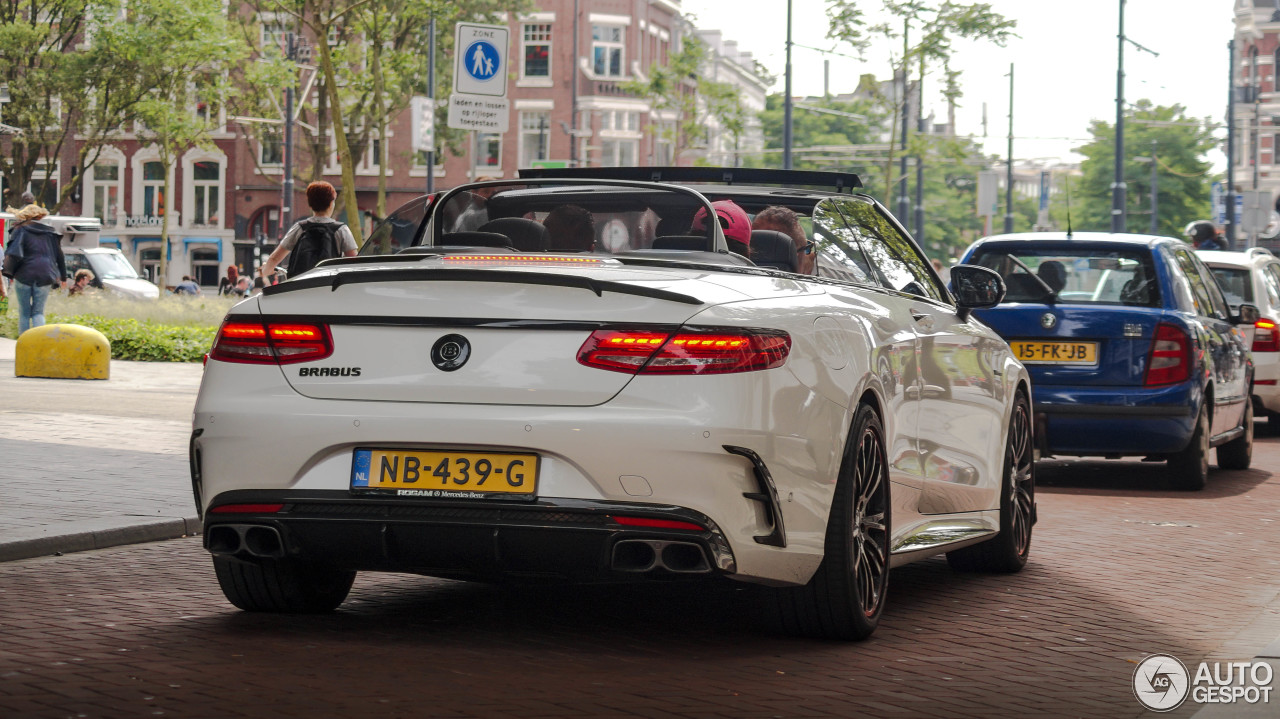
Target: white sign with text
482,114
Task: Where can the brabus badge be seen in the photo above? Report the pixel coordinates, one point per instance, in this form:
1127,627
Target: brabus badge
1048,320
450,352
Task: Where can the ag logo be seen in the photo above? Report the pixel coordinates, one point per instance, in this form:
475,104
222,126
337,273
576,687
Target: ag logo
450,352
1161,682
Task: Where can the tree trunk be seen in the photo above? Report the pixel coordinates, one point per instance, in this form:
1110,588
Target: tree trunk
166,201
340,137
376,67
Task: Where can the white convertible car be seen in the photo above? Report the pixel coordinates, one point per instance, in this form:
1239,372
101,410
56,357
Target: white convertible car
570,376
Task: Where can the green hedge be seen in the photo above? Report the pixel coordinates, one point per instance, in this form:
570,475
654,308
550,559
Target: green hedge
134,340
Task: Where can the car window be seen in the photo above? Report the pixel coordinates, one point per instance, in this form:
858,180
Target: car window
1186,262
893,260
1216,299
76,261
398,230
839,252
1072,273
1236,284
1271,280
110,266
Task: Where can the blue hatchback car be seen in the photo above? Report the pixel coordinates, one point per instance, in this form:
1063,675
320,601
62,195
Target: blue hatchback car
1132,349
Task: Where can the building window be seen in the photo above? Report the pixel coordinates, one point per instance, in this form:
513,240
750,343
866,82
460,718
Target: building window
149,259
153,203
270,149
619,153
44,184
106,192
534,136
537,50
206,181
488,153
273,31
608,49
204,267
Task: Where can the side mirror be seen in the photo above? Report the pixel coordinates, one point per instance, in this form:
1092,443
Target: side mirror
976,287
1246,315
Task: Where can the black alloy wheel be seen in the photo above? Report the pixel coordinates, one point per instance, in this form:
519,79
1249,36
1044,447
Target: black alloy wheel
846,595
1008,551
1189,469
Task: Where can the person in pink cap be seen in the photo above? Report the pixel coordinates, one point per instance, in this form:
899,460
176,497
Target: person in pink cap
733,221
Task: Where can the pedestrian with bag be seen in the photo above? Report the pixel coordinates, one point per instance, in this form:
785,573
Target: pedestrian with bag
34,261
316,238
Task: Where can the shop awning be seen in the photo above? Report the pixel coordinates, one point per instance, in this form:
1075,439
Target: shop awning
189,241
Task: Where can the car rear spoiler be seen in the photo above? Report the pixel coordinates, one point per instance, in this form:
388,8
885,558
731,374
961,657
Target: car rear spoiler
839,181
436,274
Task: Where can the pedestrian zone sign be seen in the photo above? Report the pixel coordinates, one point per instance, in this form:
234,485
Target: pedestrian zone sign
480,60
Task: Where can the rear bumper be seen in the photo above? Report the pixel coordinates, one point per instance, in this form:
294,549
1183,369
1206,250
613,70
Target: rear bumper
1266,381
1093,421
563,539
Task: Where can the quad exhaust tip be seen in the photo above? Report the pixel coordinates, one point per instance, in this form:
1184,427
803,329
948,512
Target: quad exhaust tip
255,540
649,555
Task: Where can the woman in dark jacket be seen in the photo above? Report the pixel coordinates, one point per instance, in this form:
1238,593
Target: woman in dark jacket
33,258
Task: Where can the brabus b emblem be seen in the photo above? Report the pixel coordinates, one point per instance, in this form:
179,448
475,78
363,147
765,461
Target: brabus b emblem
1048,320
450,352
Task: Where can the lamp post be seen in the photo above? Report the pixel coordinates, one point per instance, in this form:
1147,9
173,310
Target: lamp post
786,101
296,50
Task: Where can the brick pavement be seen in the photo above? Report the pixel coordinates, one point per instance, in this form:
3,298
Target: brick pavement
1121,568
93,463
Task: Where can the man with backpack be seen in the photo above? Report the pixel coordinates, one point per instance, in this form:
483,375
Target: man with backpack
316,238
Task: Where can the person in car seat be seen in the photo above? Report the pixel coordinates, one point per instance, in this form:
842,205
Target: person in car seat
571,229
733,221
785,220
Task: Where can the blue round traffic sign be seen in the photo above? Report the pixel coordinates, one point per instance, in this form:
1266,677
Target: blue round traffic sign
481,60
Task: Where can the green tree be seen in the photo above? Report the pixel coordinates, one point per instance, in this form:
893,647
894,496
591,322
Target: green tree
200,48
1180,145
680,87
837,136
66,89
934,27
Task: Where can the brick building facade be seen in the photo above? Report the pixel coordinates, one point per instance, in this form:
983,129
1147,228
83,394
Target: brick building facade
227,198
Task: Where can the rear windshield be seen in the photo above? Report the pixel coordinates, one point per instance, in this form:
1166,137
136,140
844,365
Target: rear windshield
1074,275
1235,283
573,217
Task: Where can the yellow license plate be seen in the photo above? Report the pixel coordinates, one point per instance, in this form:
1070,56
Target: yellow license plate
1056,352
470,475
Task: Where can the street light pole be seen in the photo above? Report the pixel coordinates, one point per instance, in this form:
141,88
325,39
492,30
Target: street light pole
786,101
431,103
1118,219
1229,193
286,197
1008,165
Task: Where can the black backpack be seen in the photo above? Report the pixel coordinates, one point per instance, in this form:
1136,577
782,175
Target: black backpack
316,241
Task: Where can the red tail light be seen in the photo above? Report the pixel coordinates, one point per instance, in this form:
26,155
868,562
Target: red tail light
1170,360
271,342
656,523
691,351
1265,337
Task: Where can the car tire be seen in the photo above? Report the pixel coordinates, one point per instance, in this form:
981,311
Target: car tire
1189,469
1238,453
1008,551
282,585
845,597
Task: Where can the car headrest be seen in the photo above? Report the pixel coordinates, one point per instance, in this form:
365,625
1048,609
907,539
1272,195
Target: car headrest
525,235
681,242
476,239
1054,274
770,248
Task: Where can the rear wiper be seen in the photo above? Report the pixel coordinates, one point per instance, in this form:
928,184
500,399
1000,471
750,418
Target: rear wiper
1050,293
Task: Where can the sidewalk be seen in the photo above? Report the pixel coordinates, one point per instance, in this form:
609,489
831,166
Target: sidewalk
86,464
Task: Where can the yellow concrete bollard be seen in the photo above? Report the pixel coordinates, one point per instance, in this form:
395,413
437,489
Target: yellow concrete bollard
63,352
